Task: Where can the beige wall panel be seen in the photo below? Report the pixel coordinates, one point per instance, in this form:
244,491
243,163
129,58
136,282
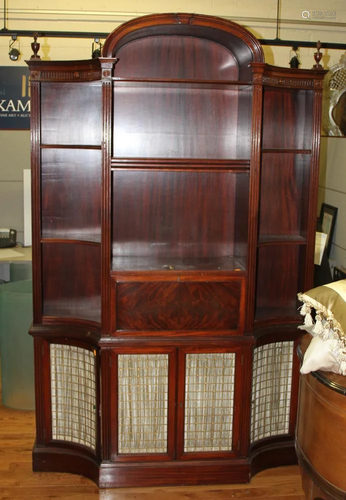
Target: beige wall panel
258,17
85,16
332,190
338,257
338,200
15,154
11,207
335,172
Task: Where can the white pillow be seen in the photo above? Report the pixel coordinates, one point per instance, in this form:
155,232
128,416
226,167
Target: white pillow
319,356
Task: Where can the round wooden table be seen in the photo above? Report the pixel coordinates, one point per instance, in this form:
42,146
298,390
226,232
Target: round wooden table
321,432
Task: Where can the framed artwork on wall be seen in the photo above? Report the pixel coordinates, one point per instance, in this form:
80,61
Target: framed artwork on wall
14,98
327,222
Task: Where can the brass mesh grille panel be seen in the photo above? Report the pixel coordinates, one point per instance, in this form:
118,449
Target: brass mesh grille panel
209,395
143,403
73,394
271,390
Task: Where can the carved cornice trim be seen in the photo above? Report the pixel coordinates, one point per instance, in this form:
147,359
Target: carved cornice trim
60,75
291,82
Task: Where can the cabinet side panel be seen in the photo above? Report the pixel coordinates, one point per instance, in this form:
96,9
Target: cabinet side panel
283,190
173,214
66,295
71,113
287,118
279,274
71,194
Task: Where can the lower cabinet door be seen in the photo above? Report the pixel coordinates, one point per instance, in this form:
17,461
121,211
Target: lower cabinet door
176,403
209,402
143,403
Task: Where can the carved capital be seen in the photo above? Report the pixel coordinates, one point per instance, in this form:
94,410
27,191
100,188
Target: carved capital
288,82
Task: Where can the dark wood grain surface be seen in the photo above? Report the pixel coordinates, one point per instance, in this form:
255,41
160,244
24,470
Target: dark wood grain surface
174,193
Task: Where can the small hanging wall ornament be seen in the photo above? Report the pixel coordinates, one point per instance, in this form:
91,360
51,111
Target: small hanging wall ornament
318,56
35,48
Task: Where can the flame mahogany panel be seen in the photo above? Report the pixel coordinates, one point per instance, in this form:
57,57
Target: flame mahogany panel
178,306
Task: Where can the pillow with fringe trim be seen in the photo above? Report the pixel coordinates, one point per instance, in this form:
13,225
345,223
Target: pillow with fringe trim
319,356
329,324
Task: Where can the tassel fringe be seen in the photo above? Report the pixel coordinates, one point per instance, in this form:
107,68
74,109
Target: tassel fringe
326,327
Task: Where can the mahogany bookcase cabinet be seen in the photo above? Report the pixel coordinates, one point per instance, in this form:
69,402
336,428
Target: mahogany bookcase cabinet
174,208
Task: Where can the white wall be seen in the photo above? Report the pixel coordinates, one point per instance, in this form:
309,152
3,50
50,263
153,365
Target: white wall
260,17
332,190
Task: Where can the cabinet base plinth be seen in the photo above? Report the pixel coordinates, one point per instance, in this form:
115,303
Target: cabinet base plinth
48,459
268,456
174,473
122,475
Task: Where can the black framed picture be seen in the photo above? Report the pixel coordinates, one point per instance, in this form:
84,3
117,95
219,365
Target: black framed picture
327,222
14,98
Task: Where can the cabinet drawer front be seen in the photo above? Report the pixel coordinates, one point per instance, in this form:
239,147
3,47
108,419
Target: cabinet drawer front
178,306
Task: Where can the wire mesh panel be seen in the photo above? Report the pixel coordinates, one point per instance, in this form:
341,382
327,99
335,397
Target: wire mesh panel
73,394
209,402
271,390
143,403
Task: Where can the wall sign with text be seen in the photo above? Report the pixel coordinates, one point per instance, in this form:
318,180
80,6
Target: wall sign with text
14,98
